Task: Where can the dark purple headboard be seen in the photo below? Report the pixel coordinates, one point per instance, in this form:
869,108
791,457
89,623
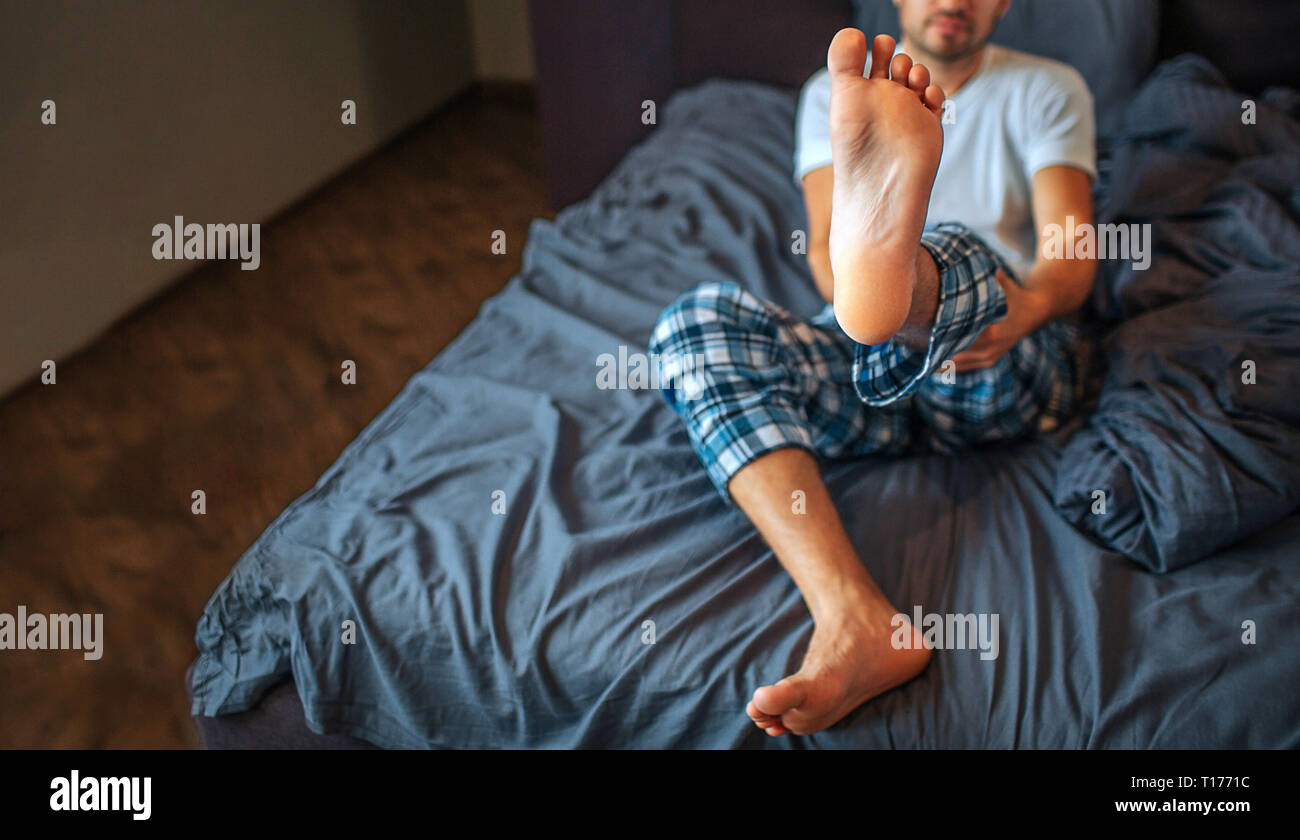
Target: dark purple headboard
598,60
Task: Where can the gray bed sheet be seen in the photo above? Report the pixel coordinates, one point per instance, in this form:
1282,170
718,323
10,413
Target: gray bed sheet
526,628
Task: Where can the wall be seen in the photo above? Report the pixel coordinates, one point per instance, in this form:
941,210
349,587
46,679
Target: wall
503,49
218,112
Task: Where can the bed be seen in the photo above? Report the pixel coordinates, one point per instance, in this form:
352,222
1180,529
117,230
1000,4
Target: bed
510,556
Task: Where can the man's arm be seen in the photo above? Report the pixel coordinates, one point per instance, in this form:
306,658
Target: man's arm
817,186
1052,287
1060,192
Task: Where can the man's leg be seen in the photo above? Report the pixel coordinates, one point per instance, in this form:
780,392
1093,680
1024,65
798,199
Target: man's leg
886,140
918,298
850,658
773,394
751,427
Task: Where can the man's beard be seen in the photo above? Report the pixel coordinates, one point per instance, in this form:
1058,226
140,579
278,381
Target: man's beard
946,49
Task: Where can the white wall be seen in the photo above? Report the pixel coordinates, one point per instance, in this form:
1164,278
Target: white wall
216,111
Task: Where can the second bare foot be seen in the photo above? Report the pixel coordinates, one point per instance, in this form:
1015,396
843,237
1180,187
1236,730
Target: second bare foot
851,658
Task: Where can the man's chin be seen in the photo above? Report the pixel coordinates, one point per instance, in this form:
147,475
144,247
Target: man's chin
948,48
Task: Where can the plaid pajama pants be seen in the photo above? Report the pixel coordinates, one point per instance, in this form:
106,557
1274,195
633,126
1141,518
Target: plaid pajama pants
767,380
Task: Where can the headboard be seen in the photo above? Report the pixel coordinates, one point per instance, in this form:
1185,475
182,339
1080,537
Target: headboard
598,60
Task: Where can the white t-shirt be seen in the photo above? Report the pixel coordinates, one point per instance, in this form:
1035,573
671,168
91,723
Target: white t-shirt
1018,114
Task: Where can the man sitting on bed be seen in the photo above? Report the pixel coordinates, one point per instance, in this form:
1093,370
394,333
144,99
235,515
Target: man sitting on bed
941,328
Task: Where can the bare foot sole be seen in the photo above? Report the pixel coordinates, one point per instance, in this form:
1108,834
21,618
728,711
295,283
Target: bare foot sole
886,140
851,659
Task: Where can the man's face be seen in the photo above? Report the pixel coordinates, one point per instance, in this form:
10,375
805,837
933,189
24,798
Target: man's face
949,29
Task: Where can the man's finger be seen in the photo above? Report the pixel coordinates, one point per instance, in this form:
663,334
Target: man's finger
986,339
972,361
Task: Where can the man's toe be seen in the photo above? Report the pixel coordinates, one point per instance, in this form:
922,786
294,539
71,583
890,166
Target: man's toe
882,47
918,79
900,67
847,54
934,98
777,699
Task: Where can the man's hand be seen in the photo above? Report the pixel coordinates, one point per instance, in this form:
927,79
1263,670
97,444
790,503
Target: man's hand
1026,311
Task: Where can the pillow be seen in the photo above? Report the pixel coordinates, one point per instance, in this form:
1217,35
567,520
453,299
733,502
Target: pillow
1112,43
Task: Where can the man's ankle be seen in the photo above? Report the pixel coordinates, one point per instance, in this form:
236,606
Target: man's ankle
846,595
915,332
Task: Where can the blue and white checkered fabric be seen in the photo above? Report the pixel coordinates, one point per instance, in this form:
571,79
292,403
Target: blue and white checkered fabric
769,380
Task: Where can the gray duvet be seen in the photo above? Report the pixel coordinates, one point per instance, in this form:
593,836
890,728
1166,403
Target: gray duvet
529,560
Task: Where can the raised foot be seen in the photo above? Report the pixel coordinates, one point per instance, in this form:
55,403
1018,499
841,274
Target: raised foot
886,140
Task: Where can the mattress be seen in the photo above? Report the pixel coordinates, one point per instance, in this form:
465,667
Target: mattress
512,556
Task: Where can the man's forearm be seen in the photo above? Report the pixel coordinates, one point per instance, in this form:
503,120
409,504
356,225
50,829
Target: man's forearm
819,260
1061,286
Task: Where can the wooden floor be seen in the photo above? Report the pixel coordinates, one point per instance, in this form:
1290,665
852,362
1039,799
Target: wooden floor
230,383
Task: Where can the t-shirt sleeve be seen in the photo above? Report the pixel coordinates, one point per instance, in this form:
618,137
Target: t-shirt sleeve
812,146
1059,122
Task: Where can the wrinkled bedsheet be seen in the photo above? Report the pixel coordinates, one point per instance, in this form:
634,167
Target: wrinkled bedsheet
1196,440
501,534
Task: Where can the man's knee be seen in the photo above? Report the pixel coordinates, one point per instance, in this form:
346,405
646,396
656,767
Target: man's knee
716,296
708,302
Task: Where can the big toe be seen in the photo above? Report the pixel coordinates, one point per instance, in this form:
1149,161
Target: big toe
847,55
776,700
